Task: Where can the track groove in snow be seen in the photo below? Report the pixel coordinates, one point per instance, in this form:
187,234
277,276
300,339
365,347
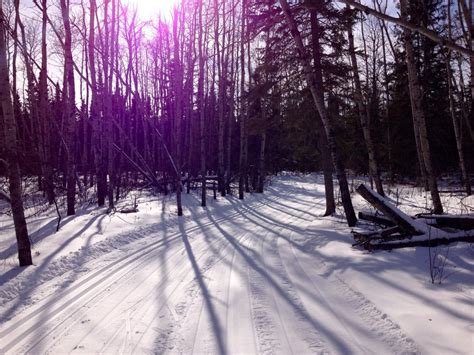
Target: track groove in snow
247,281
123,273
18,288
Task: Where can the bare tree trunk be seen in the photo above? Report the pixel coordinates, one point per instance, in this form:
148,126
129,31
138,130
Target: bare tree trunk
464,109
328,126
249,70
33,116
419,120
261,162
457,133
44,119
243,109
108,60
94,111
202,137
364,115
466,10
11,152
456,122
69,98
387,102
323,140
221,70
232,77
177,86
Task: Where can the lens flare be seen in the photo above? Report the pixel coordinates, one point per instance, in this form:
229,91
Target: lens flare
148,9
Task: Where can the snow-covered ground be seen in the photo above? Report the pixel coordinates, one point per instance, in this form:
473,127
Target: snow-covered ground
263,275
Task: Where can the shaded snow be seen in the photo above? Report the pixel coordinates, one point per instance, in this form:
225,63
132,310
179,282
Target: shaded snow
264,275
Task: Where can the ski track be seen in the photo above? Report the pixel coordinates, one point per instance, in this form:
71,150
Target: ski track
235,284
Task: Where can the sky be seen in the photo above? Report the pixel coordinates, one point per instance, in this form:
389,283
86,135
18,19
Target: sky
147,9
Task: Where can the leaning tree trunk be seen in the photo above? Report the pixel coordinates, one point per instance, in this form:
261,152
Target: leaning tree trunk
322,141
364,115
432,35
328,125
419,119
11,152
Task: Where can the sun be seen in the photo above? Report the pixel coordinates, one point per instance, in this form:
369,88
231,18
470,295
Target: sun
149,9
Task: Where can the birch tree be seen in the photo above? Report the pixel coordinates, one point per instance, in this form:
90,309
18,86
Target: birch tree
418,115
364,114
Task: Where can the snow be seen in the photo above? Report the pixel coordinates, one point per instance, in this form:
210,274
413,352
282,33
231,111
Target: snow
263,275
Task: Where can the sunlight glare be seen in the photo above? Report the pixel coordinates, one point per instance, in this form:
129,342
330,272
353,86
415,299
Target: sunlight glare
148,9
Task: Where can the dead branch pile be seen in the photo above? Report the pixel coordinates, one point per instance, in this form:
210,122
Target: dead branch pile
399,230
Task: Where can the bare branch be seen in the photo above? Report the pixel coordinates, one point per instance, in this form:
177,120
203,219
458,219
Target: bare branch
414,28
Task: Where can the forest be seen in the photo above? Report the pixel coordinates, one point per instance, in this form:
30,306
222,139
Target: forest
97,99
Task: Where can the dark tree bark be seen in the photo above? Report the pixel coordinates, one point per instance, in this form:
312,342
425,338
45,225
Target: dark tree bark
44,116
11,152
320,106
108,60
69,97
177,90
202,138
323,140
94,110
243,107
466,10
222,73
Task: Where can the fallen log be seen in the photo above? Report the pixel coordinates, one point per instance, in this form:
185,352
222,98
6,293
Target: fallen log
462,222
390,245
462,191
380,234
368,244
376,219
408,232
405,222
129,210
391,233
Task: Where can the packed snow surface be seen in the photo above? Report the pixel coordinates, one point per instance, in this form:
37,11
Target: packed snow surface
263,275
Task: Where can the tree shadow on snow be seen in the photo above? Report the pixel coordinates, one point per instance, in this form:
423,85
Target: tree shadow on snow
216,326
36,279
378,268
254,261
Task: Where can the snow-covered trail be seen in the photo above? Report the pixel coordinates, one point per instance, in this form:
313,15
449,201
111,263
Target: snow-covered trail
240,283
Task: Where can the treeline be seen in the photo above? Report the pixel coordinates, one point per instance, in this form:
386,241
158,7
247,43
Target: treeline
233,90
